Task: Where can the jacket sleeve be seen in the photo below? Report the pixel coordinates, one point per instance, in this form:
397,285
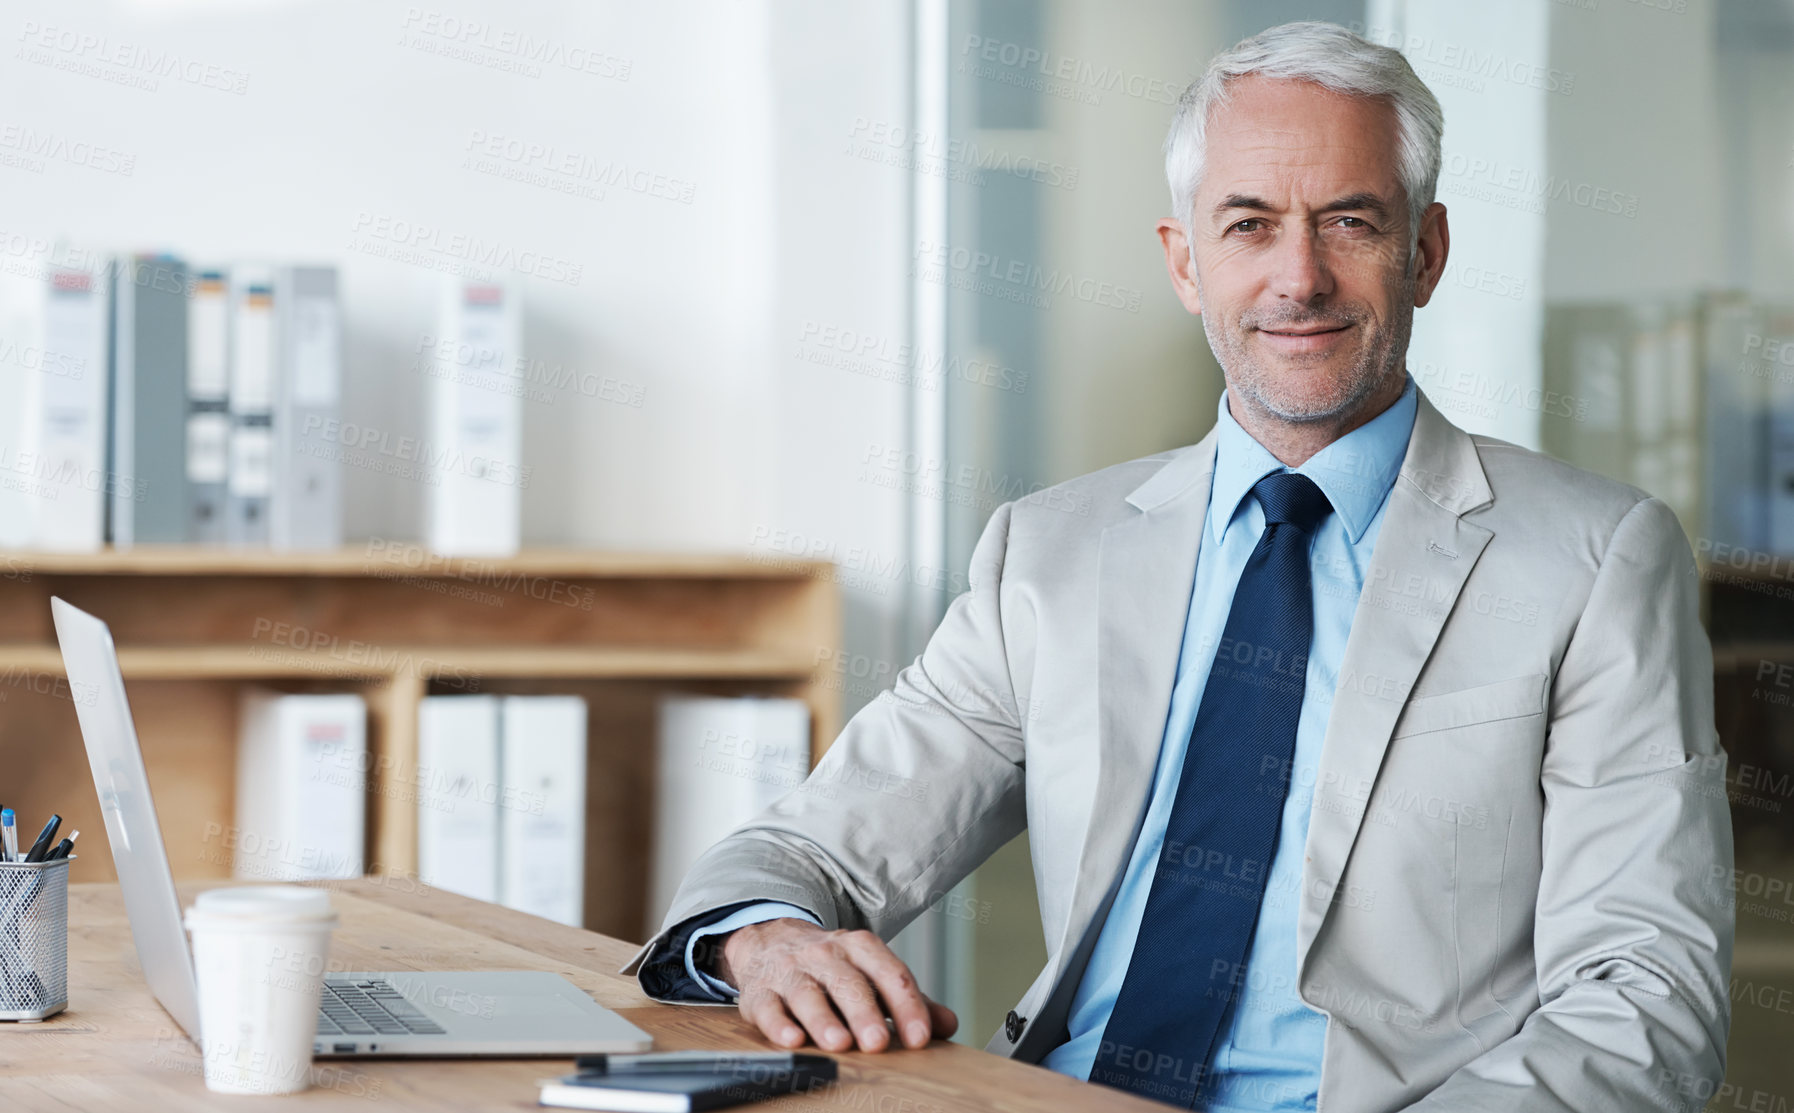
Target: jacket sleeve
921,786
680,970
1633,930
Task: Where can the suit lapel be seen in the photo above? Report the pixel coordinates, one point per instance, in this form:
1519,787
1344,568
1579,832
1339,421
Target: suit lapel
1146,570
1423,555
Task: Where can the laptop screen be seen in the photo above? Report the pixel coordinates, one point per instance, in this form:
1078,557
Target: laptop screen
118,776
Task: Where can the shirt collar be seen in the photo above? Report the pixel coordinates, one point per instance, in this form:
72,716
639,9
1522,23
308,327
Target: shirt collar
1355,472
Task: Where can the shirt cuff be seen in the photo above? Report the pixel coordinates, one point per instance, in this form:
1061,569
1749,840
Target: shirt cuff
753,914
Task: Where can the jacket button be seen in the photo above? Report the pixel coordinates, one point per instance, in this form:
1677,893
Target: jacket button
1013,1025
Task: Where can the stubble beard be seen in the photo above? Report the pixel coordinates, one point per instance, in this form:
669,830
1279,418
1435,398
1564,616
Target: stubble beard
1381,356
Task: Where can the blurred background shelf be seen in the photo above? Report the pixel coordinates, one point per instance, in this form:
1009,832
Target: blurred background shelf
409,559
165,662
195,626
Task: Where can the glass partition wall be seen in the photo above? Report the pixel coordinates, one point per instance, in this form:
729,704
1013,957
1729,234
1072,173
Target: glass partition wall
1067,349
1620,181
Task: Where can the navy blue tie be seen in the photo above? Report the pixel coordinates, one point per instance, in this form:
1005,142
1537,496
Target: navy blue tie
1209,879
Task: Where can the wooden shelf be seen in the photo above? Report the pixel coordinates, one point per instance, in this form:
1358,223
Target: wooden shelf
405,559
195,626
1732,656
165,662
1779,573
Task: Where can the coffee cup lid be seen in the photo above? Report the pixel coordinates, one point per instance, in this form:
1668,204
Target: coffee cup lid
264,904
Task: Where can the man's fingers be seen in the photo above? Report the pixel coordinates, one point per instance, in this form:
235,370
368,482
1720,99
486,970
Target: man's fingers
946,1022
766,1012
810,1005
836,986
897,988
856,1001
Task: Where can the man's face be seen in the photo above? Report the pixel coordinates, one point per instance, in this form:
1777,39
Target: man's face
1299,243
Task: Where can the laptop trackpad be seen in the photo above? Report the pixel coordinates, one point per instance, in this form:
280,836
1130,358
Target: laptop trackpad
514,1005
476,998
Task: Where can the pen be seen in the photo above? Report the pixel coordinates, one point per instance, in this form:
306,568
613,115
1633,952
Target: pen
9,834
63,847
653,1062
46,839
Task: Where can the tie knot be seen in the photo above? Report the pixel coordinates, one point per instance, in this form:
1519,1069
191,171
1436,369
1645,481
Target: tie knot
1288,497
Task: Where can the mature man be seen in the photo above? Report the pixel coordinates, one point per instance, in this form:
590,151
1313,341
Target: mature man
1366,763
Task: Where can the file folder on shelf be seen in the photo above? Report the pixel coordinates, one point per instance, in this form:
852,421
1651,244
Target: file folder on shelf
722,761
253,360
1735,467
148,497
1768,355
301,787
458,792
208,408
65,425
22,358
305,504
473,504
543,806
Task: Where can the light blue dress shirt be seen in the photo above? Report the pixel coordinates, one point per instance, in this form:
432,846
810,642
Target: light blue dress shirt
1269,1057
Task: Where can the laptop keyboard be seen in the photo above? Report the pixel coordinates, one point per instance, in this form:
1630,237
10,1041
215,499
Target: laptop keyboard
370,1008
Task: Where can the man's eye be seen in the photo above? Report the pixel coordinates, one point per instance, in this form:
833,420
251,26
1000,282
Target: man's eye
1250,224
1352,222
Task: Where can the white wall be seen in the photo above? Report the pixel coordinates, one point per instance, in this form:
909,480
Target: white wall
1653,141
840,225
352,113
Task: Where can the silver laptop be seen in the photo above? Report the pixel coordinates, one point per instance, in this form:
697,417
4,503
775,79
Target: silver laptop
498,1013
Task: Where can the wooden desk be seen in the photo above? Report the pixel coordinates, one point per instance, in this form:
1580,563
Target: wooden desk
114,1050
195,626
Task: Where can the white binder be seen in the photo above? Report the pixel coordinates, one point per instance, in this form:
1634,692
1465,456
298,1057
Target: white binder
254,358
208,405
458,794
722,761
22,358
301,787
305,504
64,439
543,806
475,448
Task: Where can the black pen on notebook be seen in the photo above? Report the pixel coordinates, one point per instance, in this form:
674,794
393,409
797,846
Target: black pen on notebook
653,1062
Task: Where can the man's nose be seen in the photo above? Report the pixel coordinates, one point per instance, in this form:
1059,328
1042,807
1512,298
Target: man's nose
1301,272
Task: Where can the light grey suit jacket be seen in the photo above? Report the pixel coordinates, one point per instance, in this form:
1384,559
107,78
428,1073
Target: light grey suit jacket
1515,894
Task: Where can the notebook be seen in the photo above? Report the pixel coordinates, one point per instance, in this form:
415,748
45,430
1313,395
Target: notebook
682,1081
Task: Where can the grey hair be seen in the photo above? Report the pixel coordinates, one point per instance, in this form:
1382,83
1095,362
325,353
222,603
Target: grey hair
1329,56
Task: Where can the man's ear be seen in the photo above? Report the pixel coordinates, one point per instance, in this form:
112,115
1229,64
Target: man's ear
1177,262
1430,251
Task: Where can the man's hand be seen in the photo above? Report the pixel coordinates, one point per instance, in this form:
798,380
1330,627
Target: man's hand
796,979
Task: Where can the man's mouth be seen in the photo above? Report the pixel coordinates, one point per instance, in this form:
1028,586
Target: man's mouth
1296,340
1308,330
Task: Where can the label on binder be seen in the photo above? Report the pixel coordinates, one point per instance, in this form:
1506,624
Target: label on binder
315,345
208,436
252,376
208,330
251,461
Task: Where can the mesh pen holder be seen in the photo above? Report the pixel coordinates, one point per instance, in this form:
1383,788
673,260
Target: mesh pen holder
34,939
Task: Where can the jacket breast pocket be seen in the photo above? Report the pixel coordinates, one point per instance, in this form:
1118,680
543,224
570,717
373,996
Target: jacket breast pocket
1514,698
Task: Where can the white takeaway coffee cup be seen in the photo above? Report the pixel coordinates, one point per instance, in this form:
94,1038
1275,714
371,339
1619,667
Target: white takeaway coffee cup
259,954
